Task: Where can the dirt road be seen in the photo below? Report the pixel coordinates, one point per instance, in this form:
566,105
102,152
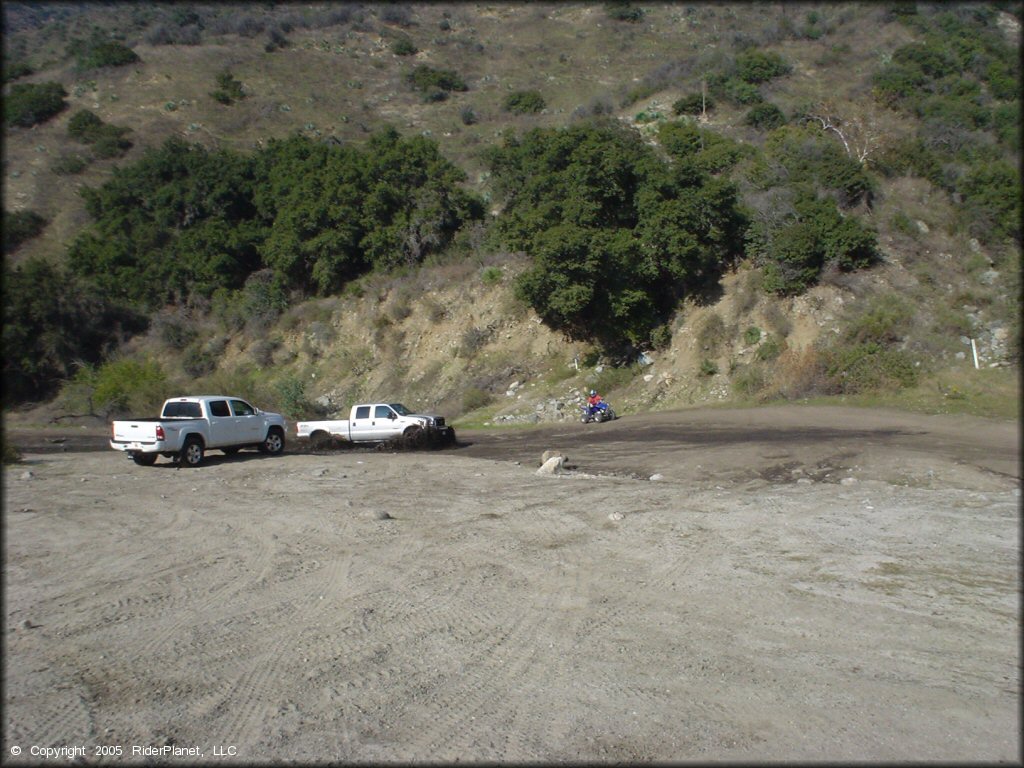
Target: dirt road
794,584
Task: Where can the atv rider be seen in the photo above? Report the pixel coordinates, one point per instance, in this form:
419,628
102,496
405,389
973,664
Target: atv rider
595,403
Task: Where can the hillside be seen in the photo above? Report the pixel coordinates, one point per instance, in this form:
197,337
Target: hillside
910,186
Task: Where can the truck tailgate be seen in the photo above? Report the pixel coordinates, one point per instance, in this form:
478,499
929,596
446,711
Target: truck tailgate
143,432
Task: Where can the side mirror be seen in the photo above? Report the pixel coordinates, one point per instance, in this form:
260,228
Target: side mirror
392,416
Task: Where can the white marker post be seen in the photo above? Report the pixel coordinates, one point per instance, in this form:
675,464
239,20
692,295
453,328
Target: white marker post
974,350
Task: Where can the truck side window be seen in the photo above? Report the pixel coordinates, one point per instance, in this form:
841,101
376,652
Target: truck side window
219,408
241,408
382,412
363,412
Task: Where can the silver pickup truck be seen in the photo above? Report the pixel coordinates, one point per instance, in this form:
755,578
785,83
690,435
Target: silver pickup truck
378,423
188,426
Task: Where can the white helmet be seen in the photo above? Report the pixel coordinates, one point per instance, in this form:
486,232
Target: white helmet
593,392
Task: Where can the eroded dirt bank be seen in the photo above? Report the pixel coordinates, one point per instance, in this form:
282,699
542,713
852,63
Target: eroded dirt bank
799,584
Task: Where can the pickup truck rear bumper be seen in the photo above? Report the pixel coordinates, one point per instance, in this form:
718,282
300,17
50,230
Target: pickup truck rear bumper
157,446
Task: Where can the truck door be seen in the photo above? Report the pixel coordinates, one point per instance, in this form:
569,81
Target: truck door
360,424
248,426
222,423
386,422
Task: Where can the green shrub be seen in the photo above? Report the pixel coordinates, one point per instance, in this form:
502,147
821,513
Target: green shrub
752,335
857,368
13,70
492,275
404,46
708,367
524,102
992,194
435,84
292,400
229,90
11,455
20,227
756,66
694,104
27,104
107,140
128,386
739,91
620,10
103,54
69,165
84,126
765,117
769,349
661,336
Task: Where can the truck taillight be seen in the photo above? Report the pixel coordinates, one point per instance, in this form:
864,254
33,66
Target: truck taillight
160,432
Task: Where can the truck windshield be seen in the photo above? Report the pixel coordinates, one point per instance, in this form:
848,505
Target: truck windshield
182,411
400,409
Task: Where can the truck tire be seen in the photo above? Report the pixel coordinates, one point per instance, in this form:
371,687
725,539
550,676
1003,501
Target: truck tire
274,444
144,459
319,440
192,452
414,437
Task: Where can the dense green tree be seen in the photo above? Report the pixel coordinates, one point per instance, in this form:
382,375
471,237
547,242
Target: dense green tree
51,319
616,235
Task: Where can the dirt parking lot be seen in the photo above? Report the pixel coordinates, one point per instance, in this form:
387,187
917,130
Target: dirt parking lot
792,583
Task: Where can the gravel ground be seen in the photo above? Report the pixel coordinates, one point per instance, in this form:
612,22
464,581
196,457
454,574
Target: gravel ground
816,584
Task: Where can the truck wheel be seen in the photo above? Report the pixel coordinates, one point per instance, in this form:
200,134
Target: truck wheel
274,444
319,440
192,452
144,459
414,437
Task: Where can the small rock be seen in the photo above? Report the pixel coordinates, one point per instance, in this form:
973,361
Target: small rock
27,474
382,515
848,481
656,477
319,472
616,516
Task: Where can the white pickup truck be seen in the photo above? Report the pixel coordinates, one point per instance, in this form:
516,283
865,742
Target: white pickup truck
381,423
188,426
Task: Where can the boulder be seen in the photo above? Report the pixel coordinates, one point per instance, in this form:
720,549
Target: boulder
552,466
549,454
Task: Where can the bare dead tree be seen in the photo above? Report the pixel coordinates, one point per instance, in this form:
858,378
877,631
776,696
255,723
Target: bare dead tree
859,134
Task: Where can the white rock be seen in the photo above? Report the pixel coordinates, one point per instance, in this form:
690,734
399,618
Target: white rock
548,455
616,516
657,476
552,466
